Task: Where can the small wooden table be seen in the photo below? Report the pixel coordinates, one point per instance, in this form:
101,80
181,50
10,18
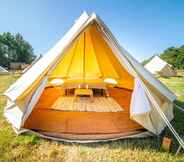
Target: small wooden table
83,92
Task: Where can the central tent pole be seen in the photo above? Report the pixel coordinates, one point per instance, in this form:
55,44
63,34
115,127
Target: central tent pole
84,60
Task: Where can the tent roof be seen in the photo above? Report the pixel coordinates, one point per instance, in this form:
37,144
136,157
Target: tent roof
3,70
42,67
156,64
83,60
34,61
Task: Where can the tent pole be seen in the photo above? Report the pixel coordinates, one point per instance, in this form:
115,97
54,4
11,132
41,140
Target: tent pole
84,58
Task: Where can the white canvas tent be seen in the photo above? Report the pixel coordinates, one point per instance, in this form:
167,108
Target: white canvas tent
36,59
3,70
151,104
157,66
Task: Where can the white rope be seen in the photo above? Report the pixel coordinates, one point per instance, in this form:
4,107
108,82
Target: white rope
179,107
181,142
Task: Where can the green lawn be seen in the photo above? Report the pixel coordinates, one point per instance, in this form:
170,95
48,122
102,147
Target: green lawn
29,148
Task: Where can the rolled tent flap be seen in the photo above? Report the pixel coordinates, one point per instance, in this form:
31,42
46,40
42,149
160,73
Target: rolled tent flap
35,97
139,103
140,107
13,114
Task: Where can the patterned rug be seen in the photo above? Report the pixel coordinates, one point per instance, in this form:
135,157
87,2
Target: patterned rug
99,104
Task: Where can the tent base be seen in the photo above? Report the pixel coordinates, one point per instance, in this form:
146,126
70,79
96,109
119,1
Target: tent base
84,137
142,134
84,125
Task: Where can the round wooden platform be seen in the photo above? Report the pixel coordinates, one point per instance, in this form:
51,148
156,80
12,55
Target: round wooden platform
83,125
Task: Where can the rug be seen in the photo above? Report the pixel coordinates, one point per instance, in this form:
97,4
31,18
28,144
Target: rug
99,104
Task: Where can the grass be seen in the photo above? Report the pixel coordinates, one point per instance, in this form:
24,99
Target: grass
29,148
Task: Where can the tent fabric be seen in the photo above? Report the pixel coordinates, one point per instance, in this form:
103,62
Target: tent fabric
155,64
35,60
82,60
138,135
132,65
158,66
14,115
34,99
139,99
3,70
89,51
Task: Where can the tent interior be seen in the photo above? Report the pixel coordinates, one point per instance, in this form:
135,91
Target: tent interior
87,95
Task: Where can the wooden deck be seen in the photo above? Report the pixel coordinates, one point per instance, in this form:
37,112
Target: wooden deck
82,125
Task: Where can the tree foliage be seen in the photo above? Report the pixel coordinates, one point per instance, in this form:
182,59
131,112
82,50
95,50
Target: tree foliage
13,48
173,56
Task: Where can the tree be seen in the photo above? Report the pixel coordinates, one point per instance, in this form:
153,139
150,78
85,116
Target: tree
174,56
13,48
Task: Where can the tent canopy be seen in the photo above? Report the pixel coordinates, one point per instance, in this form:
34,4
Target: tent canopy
89,58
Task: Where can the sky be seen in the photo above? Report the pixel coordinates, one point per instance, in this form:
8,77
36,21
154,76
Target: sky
142,27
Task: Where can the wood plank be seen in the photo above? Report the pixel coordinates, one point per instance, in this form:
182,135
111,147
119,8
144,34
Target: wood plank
80,122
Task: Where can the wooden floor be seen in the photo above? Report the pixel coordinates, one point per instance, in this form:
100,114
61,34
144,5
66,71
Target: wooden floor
81,125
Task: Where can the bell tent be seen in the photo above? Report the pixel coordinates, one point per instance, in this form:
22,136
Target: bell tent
3,70
88,88
157,66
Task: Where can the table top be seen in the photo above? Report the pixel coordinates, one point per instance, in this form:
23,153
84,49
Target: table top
83,91
90,85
